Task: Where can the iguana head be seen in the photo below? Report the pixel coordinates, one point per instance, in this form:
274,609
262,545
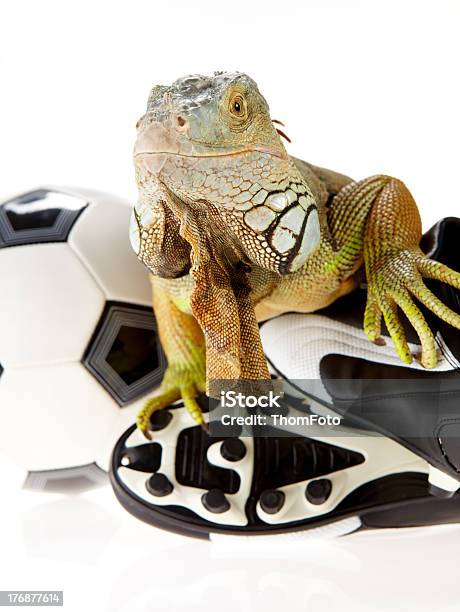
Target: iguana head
211,142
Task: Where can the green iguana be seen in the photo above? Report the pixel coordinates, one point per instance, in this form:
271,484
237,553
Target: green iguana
235,231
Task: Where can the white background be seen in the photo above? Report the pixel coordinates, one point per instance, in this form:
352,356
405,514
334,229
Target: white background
363,87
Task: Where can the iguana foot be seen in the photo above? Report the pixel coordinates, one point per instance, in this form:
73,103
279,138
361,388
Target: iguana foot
179,382
394,285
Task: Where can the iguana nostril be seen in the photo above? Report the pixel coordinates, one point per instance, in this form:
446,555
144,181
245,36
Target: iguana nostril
181,122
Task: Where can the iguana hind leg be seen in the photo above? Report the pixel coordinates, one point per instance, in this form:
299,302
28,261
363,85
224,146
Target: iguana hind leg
376,219
395,268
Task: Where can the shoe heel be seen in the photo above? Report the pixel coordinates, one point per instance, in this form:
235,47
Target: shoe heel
441,484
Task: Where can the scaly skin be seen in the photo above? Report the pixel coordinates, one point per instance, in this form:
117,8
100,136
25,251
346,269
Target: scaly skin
235,231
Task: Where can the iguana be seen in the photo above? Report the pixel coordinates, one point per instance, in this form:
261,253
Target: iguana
235,231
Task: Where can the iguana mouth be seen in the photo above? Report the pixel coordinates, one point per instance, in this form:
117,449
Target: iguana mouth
153,161
156,142
252,149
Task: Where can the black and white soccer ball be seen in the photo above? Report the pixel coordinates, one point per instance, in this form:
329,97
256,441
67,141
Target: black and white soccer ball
79,352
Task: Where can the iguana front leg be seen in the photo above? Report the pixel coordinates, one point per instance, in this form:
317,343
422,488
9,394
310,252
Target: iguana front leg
395,265
183,342
221,297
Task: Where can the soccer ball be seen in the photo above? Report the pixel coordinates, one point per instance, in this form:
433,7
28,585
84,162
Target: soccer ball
79,352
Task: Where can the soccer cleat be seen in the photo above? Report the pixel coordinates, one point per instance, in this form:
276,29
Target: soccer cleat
185,482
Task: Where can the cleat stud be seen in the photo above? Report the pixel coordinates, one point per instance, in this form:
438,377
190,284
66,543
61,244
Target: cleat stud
233,449
160,419
317,492
159,485
215,501
272,500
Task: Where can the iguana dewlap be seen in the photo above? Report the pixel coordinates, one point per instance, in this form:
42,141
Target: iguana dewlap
234,231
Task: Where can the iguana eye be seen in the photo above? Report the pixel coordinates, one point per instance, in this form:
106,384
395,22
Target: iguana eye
237,105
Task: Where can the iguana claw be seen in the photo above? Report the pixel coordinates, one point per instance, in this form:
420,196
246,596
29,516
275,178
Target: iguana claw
177,384
394,285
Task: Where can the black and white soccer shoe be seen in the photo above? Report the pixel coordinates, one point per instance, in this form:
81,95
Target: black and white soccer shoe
203,486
